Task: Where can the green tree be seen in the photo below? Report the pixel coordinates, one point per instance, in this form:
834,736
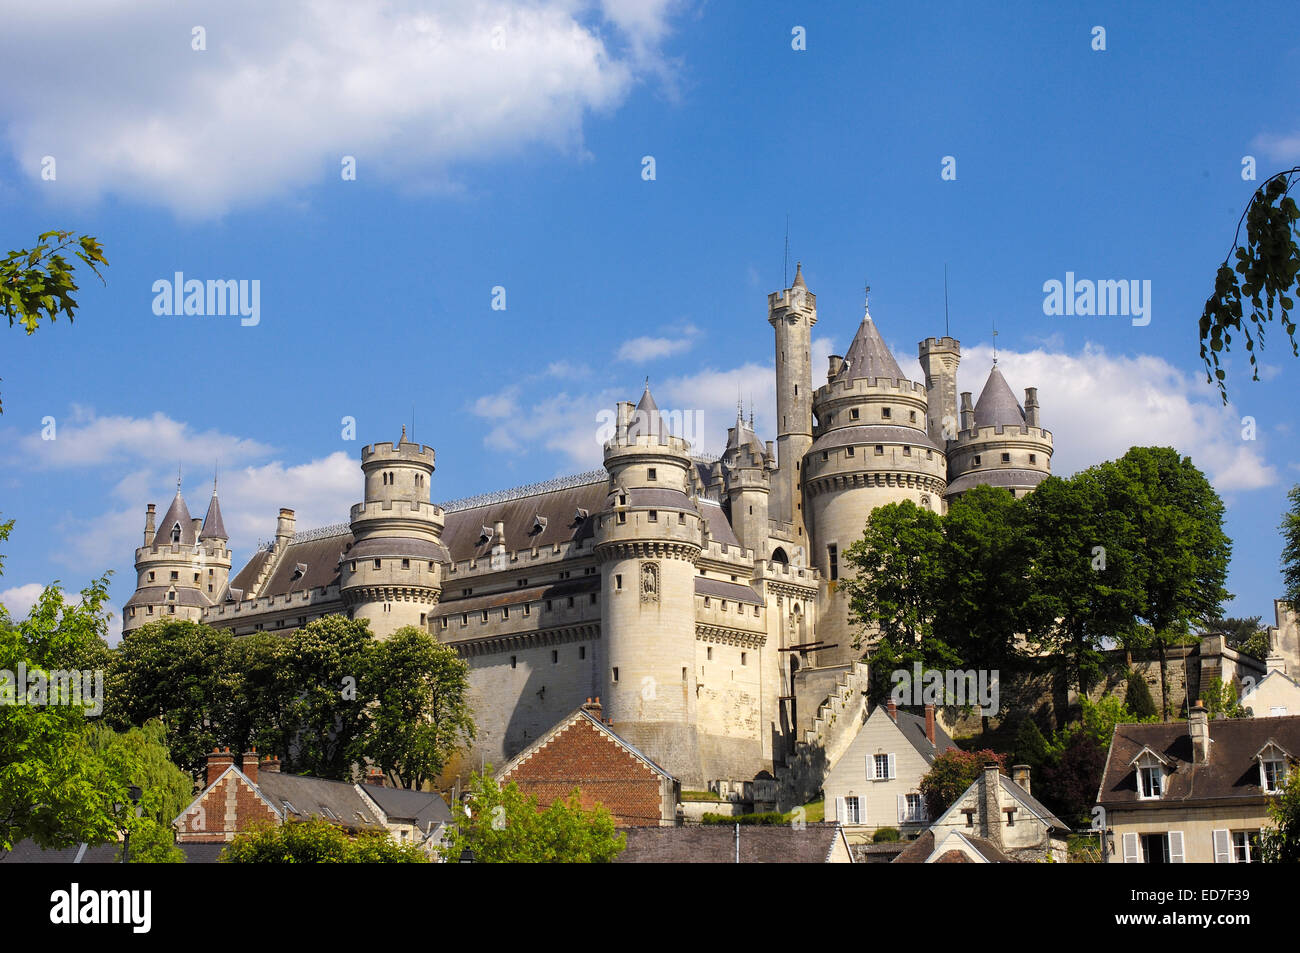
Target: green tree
504,826
316,841
421,716
1291,549
261,693
1280,842
1137,696
38,282
328,713
898,590
49,788
139,757
1031,745
1176,523
1247,635
1070,781
952,773
1267,263
177,671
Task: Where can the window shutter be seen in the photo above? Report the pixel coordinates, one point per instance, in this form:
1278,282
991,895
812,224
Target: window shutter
902,807
1222,847
893,772
871,768
840,811
1132,850
1176,847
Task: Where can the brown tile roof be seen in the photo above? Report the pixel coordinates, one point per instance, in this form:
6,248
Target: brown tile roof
1232,773
716,844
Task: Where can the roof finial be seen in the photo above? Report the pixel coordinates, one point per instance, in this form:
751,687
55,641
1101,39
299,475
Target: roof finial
866,302
403,440
178,479
216,468
995,342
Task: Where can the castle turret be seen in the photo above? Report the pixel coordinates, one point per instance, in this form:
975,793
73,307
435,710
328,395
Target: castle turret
392,574
180,570
648,537
792,314
872,448
939,359
1000,444
749,476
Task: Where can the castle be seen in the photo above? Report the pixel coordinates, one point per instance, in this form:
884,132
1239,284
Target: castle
696,597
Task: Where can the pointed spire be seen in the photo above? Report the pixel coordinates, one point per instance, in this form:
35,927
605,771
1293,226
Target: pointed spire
213,525
798,276
997,406
868,357
177,515
403,438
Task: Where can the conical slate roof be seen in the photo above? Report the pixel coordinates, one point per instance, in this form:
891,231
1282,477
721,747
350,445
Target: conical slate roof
997,406
645,419
869,356
213,527
798,276
178,512
742,435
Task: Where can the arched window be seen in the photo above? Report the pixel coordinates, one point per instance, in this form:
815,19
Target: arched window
176,533
779,556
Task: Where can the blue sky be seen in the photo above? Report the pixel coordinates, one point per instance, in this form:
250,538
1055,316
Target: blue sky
501,144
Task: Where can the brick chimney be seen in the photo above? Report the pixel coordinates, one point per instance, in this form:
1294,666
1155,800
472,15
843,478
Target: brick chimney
1198,726
892,708
270,766
218,761
249,765
593,707
929,724
375,776
992,803
1020,774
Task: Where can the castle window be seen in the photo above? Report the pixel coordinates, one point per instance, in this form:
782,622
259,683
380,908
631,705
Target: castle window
148,610
755,612
708,653
683,673
929,454
464,618
505,612
724,605
912,416
377,564
172,596
521,582
406,564
548,605
622,499
886,413
555,657
825,456
593,598
651,474
444,622
423,616
196,577
880,449
616,673
681,519
653,517
976,461
209,587
1033,458
707,602
528,608
353,565
151,576
582,651
744,658
622,517
176,533
849,452
514,661
175,575
618,581
172,610
431,566
853,414
467,592
907,451
485,617
570,602
1006,458
133,612
833,560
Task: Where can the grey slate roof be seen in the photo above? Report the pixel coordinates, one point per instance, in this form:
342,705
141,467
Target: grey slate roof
178,512
860,435
1031,803
185,596
26,852
421,808
997,406
716,844
1003,477
721,589
213,527
869,357
333,800
912,728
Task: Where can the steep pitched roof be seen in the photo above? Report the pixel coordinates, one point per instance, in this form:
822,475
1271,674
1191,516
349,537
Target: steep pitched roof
579,716
178,512
422,808
869,357
716,844
213,527
912,727
997,406
920,850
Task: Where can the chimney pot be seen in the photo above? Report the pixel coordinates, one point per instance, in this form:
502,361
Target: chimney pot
929,724
249,765
892,708
1198,726
218,761
1020,774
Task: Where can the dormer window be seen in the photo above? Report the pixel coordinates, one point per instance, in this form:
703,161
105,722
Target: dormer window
1150,776
176,533
1272,767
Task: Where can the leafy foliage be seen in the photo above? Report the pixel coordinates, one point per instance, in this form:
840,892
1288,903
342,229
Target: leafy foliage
422,717
952,773
505,826
1280,842
1072,779
1291,549
1267,263
38,282
765,819
328,712
316,841
885,835
1137,697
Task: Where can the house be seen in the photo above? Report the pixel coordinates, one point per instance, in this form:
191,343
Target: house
28,852
1194,791
876,782
737,844
584,752
1277,693
995,818
237,798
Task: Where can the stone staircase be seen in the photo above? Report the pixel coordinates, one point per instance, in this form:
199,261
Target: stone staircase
824,741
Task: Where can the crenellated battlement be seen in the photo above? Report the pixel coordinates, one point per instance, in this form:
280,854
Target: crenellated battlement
791,299
868,387
380,453
1005,433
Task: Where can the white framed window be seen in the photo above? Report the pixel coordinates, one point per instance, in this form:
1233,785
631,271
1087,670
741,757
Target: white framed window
1150,777
882,767
1154,848
852,811
912,809
1272,774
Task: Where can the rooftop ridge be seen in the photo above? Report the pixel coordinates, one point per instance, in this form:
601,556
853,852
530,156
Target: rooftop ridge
322,532
528,489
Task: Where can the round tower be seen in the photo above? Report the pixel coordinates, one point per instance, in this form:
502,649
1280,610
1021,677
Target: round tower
748,484
792,314
648,537
182,568
871,448
1000,444
392,573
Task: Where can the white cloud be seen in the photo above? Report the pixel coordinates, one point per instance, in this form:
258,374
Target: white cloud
284,90
1098,405
82,438
649,348
18,600
1278,148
